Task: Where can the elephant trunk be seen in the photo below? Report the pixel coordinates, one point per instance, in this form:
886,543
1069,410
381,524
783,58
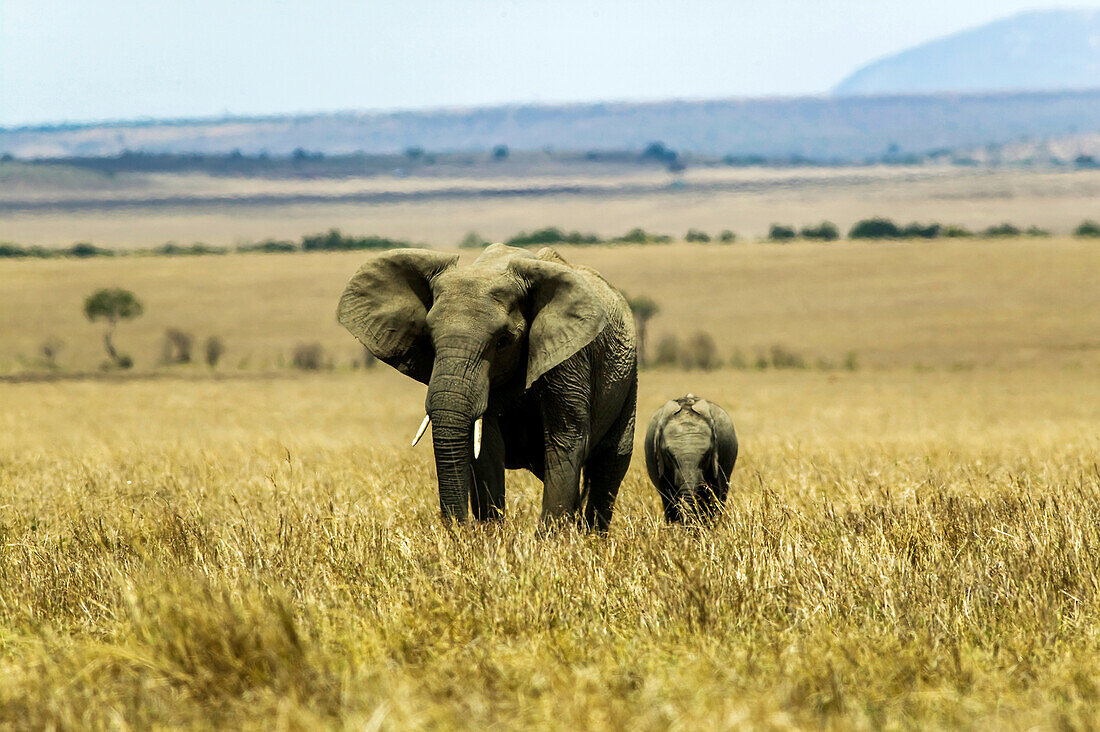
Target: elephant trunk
691,482
451,435
457,396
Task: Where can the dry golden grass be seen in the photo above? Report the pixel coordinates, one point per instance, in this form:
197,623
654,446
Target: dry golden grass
901,550
941,304
904,547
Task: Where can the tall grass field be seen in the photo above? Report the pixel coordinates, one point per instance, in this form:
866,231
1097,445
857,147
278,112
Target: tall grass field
910,542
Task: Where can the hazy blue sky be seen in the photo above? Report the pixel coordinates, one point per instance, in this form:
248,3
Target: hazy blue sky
120,59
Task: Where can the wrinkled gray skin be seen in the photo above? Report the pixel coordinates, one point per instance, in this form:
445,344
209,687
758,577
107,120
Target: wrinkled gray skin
690,450
542,350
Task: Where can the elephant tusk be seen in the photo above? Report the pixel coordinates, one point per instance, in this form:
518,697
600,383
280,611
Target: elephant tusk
477,438
420,432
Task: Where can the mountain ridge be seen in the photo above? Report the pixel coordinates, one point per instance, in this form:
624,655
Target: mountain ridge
820,128
1037,50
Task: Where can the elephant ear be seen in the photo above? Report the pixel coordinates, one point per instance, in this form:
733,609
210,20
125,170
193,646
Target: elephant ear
566,315
724,454
385,306
655,440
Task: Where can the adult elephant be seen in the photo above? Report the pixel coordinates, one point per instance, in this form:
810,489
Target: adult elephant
530,363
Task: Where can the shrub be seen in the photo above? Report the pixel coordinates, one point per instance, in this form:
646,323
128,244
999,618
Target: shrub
737,360
214,351
84,250
657,151
333,240
955,231
781,358
308,356
727,236
1036,231
851,361
668,351
919,231
473,240
172,249
825,231
1087,228
641,236
694,235
1004,229
700,352
268,246
551,235
500,152
177,346
874,228
9,250
779,232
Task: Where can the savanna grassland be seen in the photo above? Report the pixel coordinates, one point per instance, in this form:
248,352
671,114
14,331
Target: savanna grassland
901,549
911,539
935,304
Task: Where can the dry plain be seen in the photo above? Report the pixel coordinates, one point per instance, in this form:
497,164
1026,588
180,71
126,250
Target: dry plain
912,543
225,210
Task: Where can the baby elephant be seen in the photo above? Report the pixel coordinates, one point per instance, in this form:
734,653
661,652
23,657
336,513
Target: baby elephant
690,449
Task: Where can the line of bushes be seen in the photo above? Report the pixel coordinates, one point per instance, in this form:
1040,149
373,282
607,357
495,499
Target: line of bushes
553,235
335,241
331,241
699,352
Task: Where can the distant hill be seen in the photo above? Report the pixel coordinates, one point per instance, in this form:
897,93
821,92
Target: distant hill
826,129
1041,50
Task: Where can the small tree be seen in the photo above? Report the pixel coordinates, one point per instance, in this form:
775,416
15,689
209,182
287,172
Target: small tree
308,356
727,237
668,350
177,346
779,232
215,348
700,352
473,240
694,235
1087,228
1001,230
825,231
500,152
112,305
874,228
643,309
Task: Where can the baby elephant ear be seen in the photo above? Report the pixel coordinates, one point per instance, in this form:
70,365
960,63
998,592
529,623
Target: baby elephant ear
385,306
566,314
654,440
725,440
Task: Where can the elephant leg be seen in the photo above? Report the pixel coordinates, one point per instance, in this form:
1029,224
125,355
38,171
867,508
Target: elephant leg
604,472
602,477
561,486
567,426
487,495
670,502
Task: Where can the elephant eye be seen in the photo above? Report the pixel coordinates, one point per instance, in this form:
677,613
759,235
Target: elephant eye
506,338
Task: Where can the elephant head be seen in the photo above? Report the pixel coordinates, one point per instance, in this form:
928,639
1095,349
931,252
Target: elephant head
490,329
690,451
